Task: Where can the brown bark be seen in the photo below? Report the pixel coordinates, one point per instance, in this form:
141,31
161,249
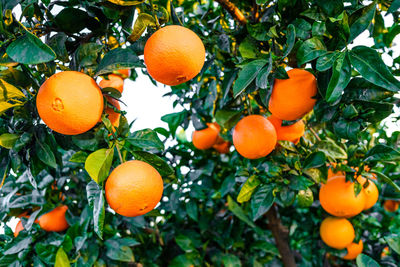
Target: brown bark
281,235
233,10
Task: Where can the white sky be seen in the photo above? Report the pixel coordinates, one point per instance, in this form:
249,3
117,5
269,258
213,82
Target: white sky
146,104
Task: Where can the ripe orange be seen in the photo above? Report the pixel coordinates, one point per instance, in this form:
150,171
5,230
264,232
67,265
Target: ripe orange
174,55
292,98
113,116
114,81
371,192
337,232
124,73
353,250
54,221
385,252
290,133
338,198
222,147
70,102
206,138
391,205
18,228
134,188
254,137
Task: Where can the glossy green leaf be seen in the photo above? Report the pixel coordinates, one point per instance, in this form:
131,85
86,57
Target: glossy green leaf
262,201
79,157
61,259
332,7
263,75
46,154
192,210
247,75
370,65
238,211
248,189
161,166
310,50
393,242
29,49
305,198
341,74
116,59
143,21
8,140
230,260
227,118
360,20
366,261
174,120
382,152
290,40
146,139
314,160
118,252
98,164
95,196
331,149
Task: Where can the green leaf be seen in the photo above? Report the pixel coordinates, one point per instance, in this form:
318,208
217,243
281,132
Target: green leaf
95,196
314,160
238,212
341,74
9,92
181,261
29,49
247,75
310,50
118,252
370,65
393,242
394,6
262,201
305,198
383,153
366,261
331,149
146,139
192,210
18,246
360,20
8,140
290,40
79,157
98,164
230,260
248,188
227,118
161,166
185,243
387,180
347,129
116,59
142,22
248,48
174,120
61,258
332,7
45,154
263,75
80,17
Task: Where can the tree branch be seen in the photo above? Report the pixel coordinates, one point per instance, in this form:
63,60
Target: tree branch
233,10
281,235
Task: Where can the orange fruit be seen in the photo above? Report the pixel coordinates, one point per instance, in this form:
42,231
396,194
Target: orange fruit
391,205
353,250
124,73
292,98
371,192
254,137
114,81
337,232
385,252
338,198
18,228
174,55
113,116
222,146
54,221
206,138
290,133
70,102
134,188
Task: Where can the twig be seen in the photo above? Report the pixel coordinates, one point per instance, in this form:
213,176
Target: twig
233,10
314,132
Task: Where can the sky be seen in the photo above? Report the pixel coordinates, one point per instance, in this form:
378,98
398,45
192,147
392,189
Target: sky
146,104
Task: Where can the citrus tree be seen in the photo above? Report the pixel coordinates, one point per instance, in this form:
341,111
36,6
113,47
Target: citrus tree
289,163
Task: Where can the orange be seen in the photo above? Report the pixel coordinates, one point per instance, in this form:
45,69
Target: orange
385,252
54,221
113,116
174,55
18,228
114,81
134,188
290,133
70,102
206,138
353,250
254,137
222,146
391,205
338,198
337,232
124,73
371,192
293,98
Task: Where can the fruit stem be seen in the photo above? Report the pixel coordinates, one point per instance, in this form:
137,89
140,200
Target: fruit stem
119,153
154,14
314,132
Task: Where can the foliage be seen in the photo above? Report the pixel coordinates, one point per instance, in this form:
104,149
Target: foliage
214,210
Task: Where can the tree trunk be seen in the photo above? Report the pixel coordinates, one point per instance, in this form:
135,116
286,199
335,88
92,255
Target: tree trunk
281,235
